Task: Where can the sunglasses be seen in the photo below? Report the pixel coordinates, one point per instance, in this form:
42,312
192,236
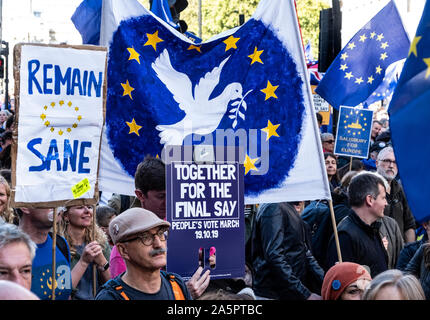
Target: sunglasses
329,141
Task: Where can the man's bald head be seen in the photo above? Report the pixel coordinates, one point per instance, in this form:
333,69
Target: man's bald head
12,291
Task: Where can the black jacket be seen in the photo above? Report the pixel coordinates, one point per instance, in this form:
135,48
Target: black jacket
408,252
417,267
359,243
283,264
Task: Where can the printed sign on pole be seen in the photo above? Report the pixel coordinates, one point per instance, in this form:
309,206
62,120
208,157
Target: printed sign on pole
205,206
60,94
353,132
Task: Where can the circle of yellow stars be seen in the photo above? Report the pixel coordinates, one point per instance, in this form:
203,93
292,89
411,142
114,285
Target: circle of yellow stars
230,44
413,50
378,70
355,125
60,104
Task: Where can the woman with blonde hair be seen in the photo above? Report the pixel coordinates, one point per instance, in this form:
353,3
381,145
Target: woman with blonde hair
6,212
394,285
76,225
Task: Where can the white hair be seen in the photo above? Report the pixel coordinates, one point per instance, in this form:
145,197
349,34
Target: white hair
10,233
383,153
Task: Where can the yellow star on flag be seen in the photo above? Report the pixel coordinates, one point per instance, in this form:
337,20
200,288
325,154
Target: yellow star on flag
256,56
133,55
370,80
134,127
363,38
359,80
127,89
383,56
348,75
193,47
249,164
343,67
344,56
271,130
269,91
427,62
378,69
380,37
384,45
413,48
372,35
230,43
351,45
153,39
43,116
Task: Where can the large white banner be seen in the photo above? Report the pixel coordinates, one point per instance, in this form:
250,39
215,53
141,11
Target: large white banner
60,94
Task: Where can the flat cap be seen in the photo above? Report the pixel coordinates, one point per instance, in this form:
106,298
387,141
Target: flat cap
133,221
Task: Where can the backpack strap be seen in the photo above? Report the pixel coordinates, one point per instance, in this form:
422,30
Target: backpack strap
121,292
177,291
62,246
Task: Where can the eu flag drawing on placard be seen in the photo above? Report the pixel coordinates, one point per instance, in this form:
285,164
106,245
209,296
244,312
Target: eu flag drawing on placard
409,121
360,67
247,86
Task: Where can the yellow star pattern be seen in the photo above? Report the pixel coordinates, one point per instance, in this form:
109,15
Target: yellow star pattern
363,38
384,45
43,116
249,164
370,80
413,48
256,56
153,39
230,43
193,47
372,35
133,55
270,91
344,56
270,130
127,89
383,56
343,67
359,80
380,37
351,45
134,128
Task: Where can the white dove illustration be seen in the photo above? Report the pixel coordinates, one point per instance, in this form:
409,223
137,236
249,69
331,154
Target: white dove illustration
202,116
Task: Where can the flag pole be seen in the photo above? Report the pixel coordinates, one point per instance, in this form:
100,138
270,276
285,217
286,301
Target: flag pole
94,265
54,250
350,164
336,238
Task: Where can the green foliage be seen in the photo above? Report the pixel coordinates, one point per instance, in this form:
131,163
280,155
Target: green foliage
308,12
221,15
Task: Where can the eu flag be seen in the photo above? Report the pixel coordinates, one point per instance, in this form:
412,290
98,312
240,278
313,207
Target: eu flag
409,121
245,87
360,67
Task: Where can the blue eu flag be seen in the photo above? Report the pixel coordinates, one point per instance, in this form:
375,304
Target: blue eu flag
360,67
409,121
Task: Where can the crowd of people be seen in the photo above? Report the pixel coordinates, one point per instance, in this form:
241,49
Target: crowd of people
375,251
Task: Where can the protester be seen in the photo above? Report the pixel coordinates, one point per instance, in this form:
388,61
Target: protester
284,266
225,295
345,281
370,163
6,147
4,115
331,169
356,165
104,215
17,252
397,207
327,140
6,212
358,233
37,223
150,183
394,285
419,266
411,248
122,202
12,291
319,119
140,237
376,129
76,226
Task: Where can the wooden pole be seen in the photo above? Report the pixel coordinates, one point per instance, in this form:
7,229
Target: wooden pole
54,251
94,264
336,238
350,164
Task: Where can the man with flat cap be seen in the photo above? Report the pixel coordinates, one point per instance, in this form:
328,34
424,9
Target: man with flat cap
141,237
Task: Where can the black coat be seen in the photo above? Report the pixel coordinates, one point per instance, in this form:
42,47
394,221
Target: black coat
417,267
359,243
284,266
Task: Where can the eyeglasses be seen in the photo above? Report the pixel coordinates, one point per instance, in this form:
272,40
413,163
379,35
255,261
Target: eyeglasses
329,141
148,239
388,161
